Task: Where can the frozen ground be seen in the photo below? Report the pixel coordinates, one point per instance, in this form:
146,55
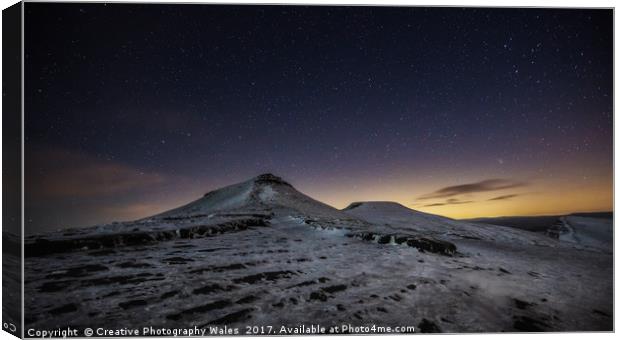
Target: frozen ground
261,253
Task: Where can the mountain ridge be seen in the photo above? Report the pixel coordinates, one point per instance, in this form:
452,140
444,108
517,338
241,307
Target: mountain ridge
263,192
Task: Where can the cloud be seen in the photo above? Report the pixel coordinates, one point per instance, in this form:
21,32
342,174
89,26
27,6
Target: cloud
470,188
434,205
450,201
59,173
503,197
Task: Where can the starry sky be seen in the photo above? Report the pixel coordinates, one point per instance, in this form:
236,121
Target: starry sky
135,109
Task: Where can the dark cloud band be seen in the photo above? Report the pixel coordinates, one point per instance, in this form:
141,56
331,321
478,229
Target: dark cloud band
450,201
503,197
470,188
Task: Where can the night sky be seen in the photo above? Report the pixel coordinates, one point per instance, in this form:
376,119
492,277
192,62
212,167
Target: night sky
135,109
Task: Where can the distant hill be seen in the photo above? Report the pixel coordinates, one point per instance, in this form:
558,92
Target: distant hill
538,224
603,214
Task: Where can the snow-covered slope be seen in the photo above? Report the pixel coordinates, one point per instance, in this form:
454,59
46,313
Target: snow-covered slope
397,217
391,212
588,232
584,230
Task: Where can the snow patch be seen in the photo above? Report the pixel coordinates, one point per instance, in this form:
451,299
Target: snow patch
267,194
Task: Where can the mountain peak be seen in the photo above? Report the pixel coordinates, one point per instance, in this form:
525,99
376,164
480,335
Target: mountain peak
269,178
375,204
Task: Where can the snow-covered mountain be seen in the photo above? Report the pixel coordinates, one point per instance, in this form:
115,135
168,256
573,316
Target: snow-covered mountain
399,218
262,253
264,193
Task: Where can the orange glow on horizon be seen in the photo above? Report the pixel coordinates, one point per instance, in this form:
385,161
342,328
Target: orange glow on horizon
555,196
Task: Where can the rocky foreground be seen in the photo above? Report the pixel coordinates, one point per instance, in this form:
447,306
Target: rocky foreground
260,253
